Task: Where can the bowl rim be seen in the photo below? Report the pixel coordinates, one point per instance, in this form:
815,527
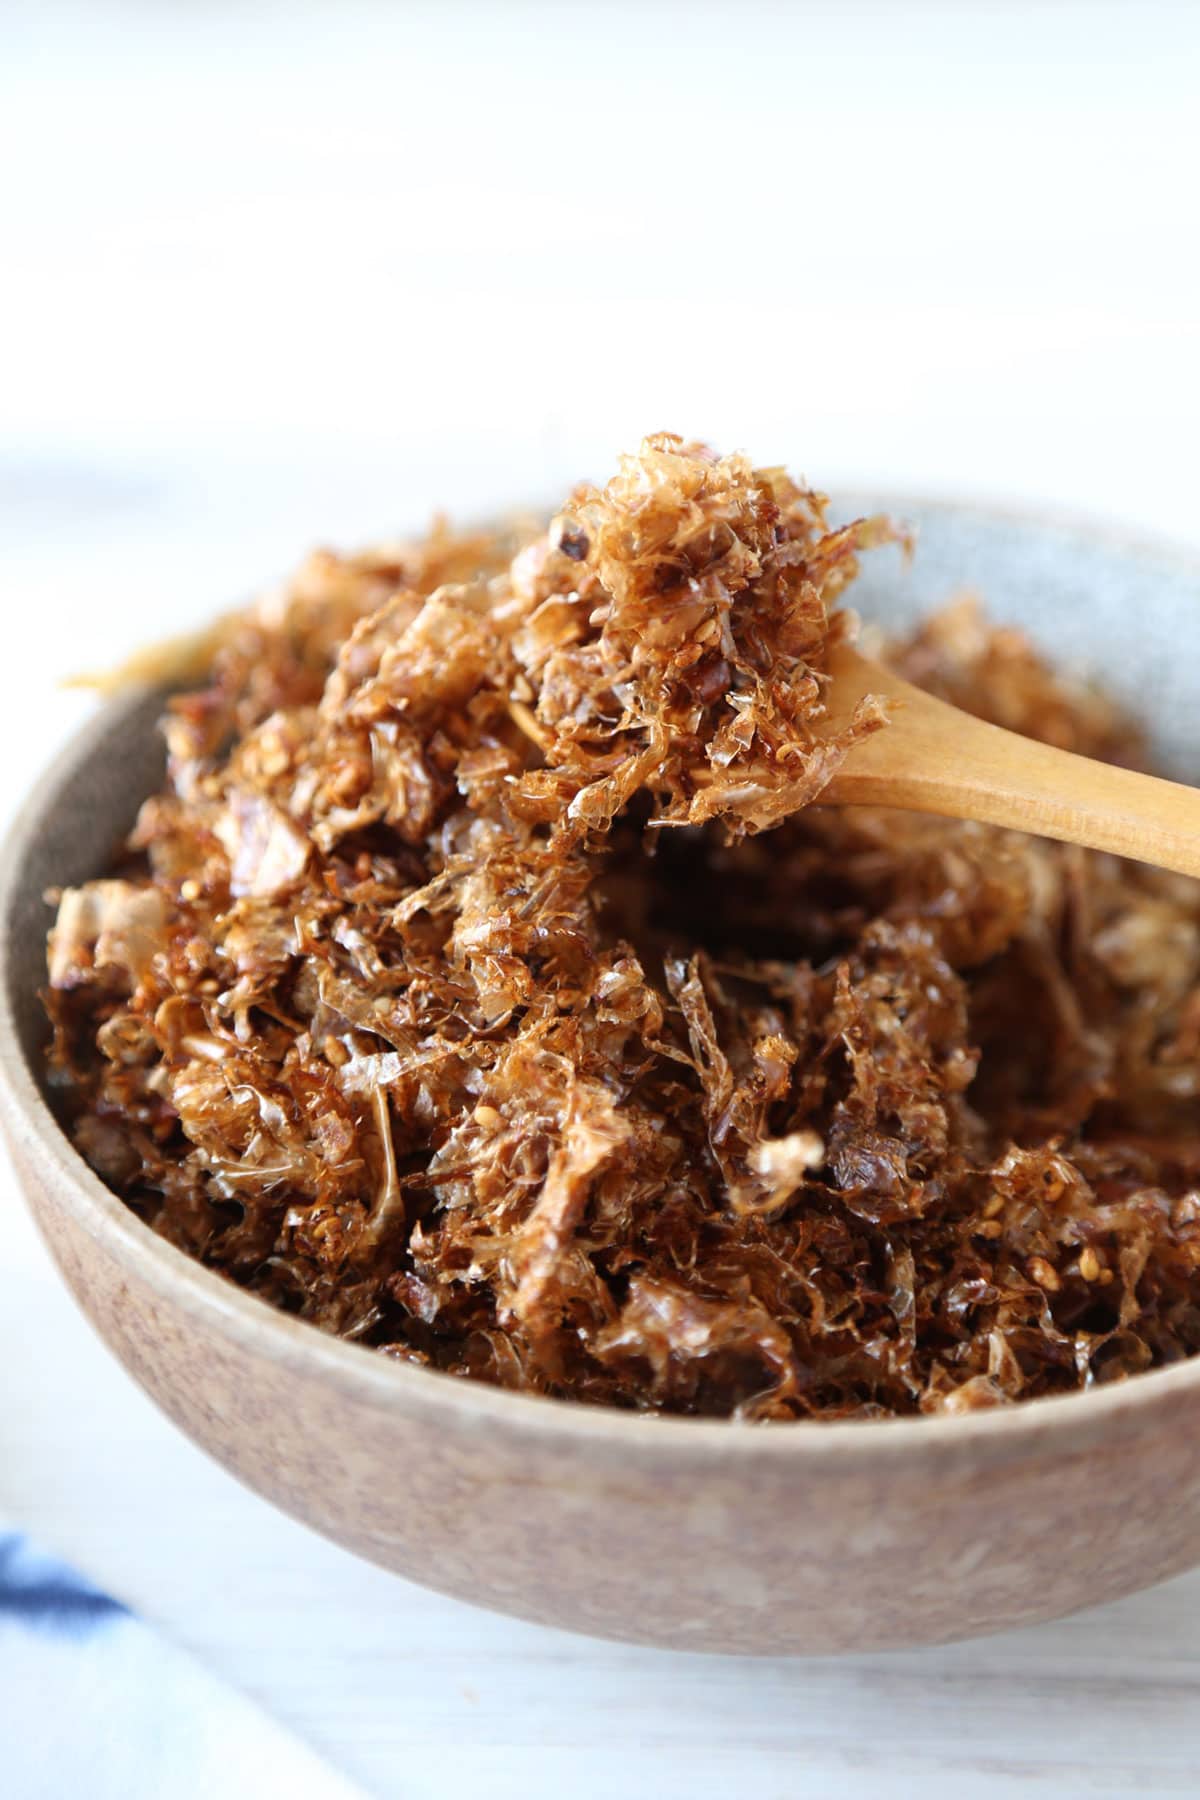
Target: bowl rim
250,1323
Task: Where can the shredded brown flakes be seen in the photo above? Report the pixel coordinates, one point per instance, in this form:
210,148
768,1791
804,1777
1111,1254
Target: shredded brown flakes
484,986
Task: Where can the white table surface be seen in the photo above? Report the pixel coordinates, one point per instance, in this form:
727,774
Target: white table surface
275,276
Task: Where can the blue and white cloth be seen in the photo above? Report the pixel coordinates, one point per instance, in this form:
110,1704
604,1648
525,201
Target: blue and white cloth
93,1704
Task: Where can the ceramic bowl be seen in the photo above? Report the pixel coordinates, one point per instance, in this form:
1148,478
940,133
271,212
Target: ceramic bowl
784,1538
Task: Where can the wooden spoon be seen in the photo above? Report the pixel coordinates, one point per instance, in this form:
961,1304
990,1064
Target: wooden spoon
933,758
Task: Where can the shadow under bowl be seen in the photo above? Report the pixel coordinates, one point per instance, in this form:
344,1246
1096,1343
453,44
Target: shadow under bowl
701,1535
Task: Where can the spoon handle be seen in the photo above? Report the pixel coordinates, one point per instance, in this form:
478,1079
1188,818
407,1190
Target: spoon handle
933,758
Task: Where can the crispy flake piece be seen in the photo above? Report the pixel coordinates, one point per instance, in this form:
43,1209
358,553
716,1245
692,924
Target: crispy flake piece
485,985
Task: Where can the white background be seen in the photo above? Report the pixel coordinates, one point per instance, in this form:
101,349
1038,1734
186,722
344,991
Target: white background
274,275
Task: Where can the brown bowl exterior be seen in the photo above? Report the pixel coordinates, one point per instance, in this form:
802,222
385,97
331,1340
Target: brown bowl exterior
696,1535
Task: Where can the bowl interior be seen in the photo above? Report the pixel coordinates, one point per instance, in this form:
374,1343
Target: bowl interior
84,808
1123,613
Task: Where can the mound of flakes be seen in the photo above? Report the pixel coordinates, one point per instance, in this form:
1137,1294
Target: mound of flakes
483,987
